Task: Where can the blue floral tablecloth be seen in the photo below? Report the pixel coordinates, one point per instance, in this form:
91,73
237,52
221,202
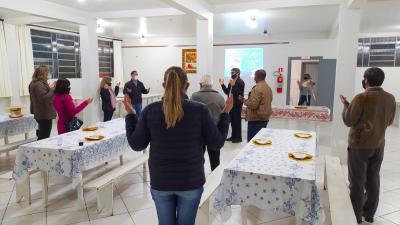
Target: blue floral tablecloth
62,155
265,177
10,126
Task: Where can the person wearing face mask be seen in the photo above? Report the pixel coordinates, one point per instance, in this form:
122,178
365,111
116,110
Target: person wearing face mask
259,105
236,88
368,115
306,90
108,97
135,88
41,94
64,105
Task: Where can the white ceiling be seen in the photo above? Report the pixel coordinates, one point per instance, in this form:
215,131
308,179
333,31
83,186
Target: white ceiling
111,5
381,16
6,13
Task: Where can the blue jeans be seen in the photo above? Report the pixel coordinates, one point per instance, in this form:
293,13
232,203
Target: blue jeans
305,99
253,127
177,207
138,109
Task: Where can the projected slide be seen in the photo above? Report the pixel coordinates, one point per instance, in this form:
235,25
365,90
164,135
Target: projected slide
248,60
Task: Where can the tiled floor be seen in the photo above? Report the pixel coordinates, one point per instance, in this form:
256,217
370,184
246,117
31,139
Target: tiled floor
133,204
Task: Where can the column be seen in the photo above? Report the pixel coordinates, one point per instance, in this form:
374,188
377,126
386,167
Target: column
349,26
205,41
90,71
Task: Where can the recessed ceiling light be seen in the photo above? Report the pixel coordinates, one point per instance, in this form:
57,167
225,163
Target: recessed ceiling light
81,1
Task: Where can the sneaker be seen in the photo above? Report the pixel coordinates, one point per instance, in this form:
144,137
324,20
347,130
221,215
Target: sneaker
229,139
237,141
369,219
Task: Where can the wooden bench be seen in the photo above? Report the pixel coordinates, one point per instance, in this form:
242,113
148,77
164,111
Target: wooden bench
11,146
212,182
104,185
339,199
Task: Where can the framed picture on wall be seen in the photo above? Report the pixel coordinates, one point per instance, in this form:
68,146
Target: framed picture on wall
189,60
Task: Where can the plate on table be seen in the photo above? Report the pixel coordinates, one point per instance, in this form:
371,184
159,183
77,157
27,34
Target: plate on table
300,156
15,116
303,135
94,138
90,128
262,141
300,107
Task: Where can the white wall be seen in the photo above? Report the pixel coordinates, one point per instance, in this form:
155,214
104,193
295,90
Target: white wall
151,62
391,83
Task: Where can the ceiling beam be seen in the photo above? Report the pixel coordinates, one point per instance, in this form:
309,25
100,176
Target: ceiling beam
356,4
270,4
47,9
138,13
28,20
200,8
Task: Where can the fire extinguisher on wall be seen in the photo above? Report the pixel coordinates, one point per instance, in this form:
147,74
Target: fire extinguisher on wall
279,80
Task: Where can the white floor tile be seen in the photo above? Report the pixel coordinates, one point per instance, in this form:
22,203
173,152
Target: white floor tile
132,189
23,208
34,219
146,216
67,216
118,208
393,217
138,202
123,219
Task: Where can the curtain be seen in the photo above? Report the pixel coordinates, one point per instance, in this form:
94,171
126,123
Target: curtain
118,66
5,82
25,58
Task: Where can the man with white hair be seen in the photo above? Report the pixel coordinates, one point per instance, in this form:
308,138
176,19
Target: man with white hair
215,104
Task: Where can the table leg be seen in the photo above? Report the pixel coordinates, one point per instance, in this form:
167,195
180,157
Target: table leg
6,142
121,160
243,214
45,187
325,180
23,190
81,201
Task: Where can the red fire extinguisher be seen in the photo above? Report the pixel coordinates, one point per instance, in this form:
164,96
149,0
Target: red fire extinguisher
279,87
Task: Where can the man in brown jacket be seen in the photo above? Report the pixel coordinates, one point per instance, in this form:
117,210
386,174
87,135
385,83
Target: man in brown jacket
368,116
258,105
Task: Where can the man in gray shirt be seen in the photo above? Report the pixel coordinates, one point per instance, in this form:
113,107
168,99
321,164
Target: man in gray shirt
215,104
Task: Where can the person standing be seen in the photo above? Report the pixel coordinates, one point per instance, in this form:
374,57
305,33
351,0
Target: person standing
306,90
108,97
176,129
41,95
64,105
215,104
236,87
135,88
258,105
368,115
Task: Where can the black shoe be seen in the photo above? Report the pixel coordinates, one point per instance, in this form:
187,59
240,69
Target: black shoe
229,139
237,141
359,221
369,219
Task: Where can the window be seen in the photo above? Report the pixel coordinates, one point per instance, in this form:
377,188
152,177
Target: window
106,58
379,52
59,51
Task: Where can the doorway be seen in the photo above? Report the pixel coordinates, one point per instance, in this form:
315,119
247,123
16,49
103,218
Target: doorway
322,72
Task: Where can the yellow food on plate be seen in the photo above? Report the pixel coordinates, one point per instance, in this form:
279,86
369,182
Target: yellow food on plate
94,138
300,107
262,141
15,116
303,135
90,128
301,156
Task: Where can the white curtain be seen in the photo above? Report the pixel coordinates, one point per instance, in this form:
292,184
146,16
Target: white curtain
5,83
25,58
118,66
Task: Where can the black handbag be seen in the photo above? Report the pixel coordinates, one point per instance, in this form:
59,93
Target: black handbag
74,123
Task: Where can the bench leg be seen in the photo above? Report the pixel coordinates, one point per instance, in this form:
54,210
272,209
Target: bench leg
121,160
6,142
325,180
26,136
45,187
105,198
144,173
23,191
243,214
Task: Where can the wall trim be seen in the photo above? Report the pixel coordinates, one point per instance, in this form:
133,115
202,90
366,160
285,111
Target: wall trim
215,45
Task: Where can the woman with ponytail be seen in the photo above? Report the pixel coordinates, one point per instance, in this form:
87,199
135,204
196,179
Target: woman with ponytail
176,129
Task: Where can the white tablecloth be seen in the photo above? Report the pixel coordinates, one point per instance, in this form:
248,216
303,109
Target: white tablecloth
10,126
264,176
62,155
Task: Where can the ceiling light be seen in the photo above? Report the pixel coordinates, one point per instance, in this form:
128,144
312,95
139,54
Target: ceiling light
251,22
99,29
81,1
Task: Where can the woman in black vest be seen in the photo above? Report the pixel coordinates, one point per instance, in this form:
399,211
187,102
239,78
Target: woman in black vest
108,97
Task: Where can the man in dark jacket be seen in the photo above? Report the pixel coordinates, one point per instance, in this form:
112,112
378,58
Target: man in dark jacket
236,87
368,116
134,88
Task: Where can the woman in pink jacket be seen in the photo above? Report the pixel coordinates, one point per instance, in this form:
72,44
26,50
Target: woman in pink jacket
64,104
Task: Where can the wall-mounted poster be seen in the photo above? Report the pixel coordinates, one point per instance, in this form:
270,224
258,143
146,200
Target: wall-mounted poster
189,60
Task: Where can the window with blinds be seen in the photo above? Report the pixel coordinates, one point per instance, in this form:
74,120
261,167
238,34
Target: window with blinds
106,58
59,51
379,52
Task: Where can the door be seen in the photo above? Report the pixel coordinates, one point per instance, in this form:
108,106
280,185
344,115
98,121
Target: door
326,83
